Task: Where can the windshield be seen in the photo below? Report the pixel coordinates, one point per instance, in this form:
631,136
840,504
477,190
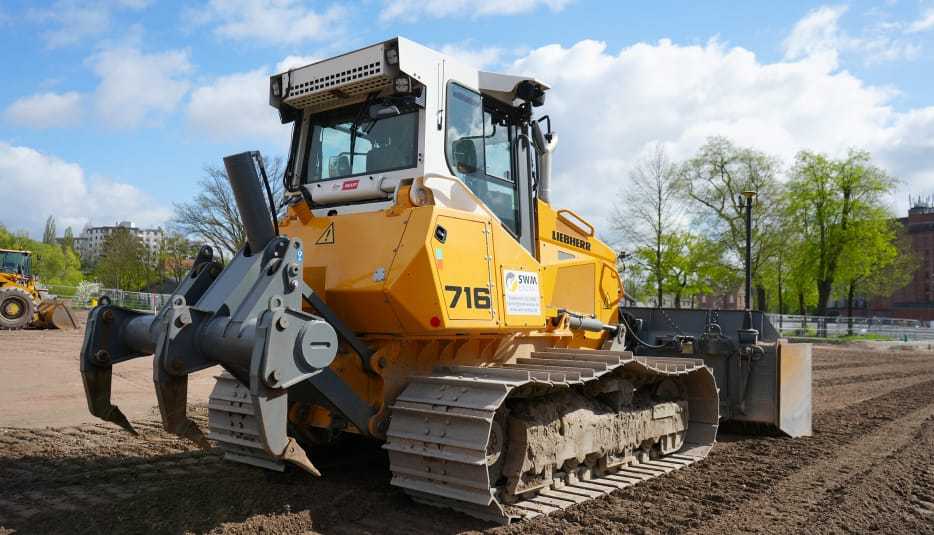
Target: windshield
380,145
11,262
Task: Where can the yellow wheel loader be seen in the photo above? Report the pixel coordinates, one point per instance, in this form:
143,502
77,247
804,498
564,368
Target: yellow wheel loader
22,302
421,290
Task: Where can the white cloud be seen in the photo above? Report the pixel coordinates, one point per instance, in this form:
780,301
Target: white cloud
45,110
614,107
481,58
277,22
45,185
926,22
73,21
411,10
236,107
136,87
819,34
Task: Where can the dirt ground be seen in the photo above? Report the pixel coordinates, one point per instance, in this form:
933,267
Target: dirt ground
869,468
40,384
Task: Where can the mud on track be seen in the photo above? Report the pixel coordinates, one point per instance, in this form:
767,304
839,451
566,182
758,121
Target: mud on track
869,467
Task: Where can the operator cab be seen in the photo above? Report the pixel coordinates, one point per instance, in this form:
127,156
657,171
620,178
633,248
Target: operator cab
366,122
16,262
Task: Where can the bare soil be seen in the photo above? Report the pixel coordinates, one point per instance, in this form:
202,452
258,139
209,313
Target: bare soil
40,383
869,468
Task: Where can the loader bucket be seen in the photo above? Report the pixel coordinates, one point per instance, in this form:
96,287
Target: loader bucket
55,314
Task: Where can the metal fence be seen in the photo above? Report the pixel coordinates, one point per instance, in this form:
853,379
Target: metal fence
88,294
842,326
150,302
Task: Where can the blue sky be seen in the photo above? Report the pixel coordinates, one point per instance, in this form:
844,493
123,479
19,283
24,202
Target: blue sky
110,109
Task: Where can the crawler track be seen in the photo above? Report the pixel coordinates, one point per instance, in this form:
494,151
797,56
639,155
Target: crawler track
443,425
232,424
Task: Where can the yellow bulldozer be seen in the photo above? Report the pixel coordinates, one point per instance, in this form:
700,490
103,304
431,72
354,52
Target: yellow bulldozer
422,290
23,302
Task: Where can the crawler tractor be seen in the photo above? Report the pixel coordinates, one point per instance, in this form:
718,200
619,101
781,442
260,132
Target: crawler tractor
421,290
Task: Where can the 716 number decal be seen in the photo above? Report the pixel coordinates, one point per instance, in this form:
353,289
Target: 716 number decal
475,297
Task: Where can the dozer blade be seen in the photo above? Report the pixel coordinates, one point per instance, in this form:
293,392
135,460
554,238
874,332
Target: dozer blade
55,314
777,392
794,389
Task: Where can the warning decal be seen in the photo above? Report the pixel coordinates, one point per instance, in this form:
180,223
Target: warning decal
520,288
327,237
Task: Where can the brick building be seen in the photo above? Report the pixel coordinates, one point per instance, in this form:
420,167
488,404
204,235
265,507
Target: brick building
915,301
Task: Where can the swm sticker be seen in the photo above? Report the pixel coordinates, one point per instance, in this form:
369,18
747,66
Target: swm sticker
521,291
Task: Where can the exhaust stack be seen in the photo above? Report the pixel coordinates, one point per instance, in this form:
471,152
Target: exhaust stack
545,145
251,202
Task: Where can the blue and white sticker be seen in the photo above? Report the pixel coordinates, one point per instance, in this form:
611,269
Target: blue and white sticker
520,288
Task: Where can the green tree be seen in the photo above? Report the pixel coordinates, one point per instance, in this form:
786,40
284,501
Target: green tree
696,266
647,213
635,277
48,235
123,261
714,180
68,240
877,261
828,199
175,256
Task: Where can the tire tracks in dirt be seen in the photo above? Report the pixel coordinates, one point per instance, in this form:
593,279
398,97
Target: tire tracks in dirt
869,377
840,396
800,502
894,496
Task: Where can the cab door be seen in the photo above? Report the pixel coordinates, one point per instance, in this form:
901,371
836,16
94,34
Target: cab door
487,149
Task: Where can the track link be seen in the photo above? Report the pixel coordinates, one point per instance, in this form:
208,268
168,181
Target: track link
232,424
441,427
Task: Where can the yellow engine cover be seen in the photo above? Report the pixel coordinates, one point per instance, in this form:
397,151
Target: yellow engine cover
431,270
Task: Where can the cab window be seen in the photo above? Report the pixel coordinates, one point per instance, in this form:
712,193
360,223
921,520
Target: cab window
346,143
478,146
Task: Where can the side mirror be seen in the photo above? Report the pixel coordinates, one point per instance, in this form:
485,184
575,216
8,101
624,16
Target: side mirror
465,156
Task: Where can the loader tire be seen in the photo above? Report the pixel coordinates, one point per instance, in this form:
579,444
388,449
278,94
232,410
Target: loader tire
16,308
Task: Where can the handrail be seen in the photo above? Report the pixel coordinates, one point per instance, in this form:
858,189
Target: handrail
579,224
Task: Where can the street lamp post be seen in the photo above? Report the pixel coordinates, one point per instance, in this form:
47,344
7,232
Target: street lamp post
748,335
